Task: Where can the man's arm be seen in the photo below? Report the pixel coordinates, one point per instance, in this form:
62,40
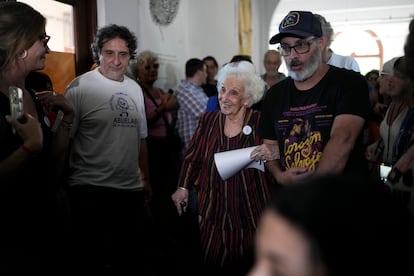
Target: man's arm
345,130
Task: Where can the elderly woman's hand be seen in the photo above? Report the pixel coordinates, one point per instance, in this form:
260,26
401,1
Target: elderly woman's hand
180,199
265,152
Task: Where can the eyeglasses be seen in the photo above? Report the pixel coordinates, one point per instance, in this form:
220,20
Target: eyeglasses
154,66
382,74
373,78
302,47
44,38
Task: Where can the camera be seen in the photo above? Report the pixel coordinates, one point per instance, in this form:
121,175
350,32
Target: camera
16,104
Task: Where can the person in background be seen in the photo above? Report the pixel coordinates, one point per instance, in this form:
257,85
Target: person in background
396,132
39,82
108,178
327,105
401,177
372,79
160,109
334,225
210,87
271,62
389,88
191,100
228,209
409,50
329,56
406,160
33,232
379,106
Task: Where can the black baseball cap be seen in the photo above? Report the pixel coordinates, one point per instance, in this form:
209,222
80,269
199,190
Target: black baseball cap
299,24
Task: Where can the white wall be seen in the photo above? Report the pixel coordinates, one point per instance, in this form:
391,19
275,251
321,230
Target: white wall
200,28
209,27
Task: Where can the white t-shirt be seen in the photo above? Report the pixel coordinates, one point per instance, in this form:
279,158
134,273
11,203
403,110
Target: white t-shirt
109,124
346,62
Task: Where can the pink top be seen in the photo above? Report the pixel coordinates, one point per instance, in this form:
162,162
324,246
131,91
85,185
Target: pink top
157,128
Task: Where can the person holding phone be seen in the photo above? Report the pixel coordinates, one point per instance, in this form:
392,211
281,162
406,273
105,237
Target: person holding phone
32,158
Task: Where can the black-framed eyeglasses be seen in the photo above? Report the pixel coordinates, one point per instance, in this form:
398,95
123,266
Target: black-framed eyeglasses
154,66
302,47
44,38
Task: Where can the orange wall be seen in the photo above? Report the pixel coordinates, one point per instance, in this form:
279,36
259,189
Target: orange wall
61,69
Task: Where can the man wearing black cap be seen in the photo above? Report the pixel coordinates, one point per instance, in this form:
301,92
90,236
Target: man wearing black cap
332,101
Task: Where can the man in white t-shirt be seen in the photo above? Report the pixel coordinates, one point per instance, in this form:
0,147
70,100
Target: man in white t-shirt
108,169
330,57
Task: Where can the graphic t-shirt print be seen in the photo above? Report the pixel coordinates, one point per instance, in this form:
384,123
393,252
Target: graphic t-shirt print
124,107
303,141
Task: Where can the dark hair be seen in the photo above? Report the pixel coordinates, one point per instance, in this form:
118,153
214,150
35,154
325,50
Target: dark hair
373,71
212,59
20,27
236,58
352,224
38,81
400,65
192,66
110,32
409,51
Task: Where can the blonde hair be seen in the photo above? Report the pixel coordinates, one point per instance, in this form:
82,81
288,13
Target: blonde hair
142,59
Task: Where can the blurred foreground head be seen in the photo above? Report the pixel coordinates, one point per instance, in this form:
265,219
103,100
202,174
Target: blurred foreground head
334,226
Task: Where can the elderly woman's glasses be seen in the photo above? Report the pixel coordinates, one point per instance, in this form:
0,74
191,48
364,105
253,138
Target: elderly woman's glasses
44,38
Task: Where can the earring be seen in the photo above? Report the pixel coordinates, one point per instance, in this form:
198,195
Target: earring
23,55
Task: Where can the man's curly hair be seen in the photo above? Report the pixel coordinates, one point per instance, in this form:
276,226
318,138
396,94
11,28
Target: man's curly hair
110,32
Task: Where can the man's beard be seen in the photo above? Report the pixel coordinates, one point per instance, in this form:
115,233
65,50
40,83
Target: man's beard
308,69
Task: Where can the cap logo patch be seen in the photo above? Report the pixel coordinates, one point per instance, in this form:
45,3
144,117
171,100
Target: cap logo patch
291,19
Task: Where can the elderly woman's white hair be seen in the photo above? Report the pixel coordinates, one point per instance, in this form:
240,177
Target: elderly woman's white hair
245,71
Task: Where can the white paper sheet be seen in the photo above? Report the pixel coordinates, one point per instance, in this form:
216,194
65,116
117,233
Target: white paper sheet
229,163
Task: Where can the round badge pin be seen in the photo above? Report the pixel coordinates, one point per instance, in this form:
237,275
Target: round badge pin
247,130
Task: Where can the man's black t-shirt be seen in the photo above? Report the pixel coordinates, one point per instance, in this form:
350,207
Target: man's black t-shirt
301,121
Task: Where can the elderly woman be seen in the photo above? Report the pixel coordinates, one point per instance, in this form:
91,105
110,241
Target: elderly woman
228,209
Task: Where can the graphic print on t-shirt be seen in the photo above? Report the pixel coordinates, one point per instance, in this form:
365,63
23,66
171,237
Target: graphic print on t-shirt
123,105
302,136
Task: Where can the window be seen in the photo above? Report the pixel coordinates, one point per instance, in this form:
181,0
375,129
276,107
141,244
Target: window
72,25
59,25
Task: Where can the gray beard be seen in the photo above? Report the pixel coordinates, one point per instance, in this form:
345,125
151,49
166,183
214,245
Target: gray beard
308,70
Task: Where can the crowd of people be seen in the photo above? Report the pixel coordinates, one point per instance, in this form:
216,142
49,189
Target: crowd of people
92,178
